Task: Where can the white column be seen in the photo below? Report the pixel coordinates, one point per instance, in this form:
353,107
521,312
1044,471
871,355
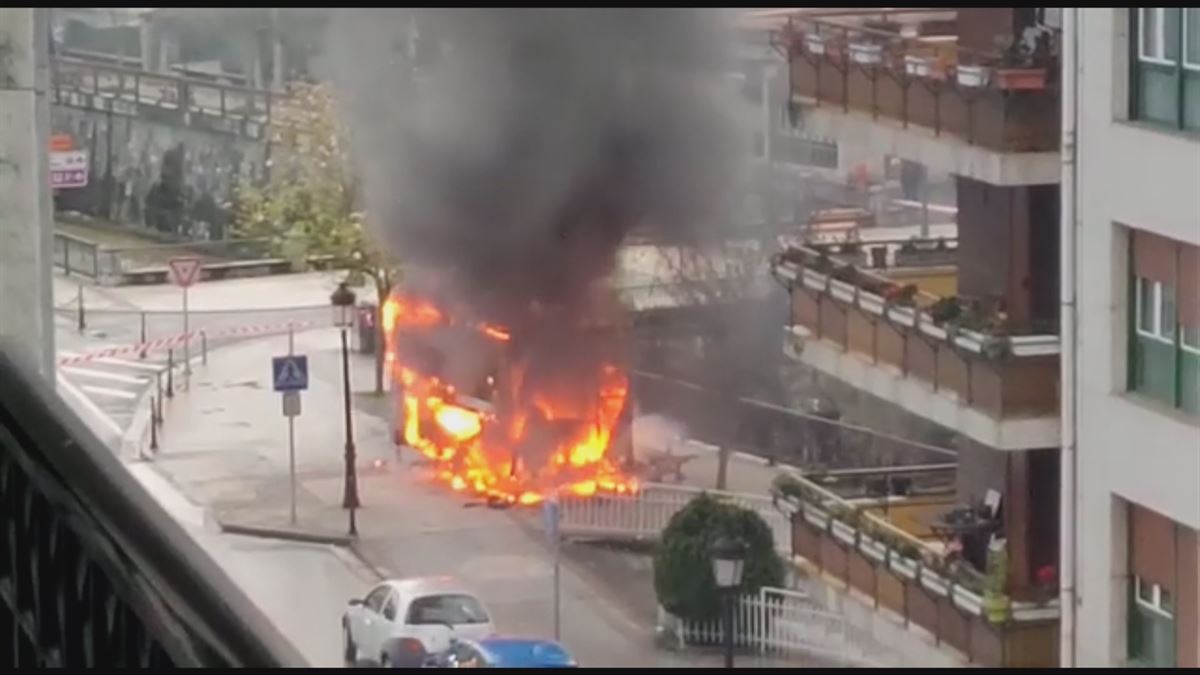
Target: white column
26,222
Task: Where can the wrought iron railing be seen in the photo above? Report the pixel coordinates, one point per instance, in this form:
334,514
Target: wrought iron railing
92,571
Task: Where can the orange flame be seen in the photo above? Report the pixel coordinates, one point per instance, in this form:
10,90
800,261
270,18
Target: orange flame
482,452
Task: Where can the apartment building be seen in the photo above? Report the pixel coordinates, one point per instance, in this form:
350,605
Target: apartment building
1136,203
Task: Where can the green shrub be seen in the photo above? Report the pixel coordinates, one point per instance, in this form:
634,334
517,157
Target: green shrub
683,578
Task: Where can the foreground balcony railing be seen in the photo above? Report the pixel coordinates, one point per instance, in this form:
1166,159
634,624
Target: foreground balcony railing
965,354
93,573
997,101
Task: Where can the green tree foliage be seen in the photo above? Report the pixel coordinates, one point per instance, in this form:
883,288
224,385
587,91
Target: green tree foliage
683,579
309,206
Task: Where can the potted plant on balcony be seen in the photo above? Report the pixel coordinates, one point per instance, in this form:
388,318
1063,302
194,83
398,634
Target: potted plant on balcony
814,43
1024,62
916,65
866,53
995,601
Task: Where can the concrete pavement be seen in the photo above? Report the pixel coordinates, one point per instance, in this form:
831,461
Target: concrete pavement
224,444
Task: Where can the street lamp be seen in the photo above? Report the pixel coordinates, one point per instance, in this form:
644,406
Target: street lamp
343,317
728,563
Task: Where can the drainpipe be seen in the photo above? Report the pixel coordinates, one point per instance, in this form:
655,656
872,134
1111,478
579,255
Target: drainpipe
1067,288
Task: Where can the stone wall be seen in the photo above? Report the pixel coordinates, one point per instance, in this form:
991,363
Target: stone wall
161,176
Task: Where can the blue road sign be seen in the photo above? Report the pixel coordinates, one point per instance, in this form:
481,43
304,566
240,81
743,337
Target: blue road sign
290,372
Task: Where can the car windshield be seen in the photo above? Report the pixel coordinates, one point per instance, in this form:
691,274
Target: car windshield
453,609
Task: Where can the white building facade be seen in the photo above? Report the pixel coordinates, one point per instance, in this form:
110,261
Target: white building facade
1137,368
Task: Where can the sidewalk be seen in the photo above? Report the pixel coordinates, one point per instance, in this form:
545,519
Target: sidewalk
225,444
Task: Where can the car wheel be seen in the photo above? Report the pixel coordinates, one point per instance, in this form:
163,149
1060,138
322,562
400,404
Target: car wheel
349,649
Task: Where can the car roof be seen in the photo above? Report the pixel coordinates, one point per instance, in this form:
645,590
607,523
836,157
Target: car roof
415,586
524,652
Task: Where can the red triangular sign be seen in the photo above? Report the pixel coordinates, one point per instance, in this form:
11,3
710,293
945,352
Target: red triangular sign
184,271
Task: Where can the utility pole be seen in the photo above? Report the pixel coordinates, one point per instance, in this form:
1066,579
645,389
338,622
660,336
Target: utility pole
26,220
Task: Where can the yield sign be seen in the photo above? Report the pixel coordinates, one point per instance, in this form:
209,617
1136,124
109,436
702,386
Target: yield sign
184,271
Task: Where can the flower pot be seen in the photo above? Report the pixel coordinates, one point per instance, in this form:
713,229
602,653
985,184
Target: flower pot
972,76
1021,78
918,66
866,53
814,43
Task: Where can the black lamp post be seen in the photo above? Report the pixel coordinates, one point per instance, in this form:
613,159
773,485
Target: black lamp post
728,563
343,317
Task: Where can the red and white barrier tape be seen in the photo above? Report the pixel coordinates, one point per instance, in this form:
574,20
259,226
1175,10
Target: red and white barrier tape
178,340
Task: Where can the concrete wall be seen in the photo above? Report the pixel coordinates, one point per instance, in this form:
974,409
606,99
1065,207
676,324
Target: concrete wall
157,175
1129,450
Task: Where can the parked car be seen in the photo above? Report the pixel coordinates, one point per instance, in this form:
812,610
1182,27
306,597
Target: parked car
401,622
503,652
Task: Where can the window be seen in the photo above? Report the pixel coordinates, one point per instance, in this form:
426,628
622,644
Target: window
1156,310
1151,625
1165,79
453,609
389,608
375,600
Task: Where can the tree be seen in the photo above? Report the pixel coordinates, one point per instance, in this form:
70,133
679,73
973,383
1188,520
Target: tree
683,578
308,207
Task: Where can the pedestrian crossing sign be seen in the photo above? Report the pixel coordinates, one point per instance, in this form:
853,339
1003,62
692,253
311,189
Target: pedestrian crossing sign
290,372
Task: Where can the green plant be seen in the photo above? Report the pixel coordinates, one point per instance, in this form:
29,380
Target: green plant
683,578
945,310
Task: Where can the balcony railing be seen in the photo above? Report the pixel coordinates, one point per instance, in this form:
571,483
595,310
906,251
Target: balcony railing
986,99
852,542
1000,372
132,92
93,573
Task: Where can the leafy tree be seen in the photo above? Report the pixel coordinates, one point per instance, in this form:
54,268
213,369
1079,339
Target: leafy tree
308,207
683,579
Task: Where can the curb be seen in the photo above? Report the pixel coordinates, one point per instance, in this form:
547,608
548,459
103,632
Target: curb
339,540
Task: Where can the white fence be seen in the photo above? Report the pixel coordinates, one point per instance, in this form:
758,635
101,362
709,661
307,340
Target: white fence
645,514
779,621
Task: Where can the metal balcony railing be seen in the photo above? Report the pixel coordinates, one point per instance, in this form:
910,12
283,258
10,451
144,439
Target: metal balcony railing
93,573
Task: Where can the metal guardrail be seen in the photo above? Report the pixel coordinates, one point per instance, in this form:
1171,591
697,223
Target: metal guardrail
93,572
644,515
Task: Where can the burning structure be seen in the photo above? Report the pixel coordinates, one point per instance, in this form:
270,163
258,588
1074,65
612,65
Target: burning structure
506,176
512,414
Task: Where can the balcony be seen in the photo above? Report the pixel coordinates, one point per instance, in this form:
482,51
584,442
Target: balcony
925,87
94,573
885,549
952,362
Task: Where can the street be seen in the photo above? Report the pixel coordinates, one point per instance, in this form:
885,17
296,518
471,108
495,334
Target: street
223,461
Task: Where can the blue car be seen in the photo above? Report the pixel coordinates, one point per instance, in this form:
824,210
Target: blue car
501,652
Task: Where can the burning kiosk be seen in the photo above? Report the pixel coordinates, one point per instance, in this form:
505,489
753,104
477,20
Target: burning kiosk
514,412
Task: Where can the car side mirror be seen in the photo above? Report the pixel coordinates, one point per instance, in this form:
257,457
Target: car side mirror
356,602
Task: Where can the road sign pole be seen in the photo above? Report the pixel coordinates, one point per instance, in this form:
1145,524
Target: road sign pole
187,341
292,430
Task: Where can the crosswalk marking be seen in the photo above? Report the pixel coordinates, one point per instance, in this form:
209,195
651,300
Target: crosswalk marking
105,391
89,404
104,375
141,365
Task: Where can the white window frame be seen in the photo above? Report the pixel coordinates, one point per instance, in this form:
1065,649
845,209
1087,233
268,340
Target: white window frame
1155,604
1183,42
1157,316
1160,31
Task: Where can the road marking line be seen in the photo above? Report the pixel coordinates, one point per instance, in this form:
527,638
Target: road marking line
105,391
104,375
89,404
113,361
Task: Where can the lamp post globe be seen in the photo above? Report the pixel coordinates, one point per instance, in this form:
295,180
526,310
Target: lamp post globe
728,565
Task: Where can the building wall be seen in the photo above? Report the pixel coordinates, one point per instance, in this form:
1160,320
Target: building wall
1130,451
128,183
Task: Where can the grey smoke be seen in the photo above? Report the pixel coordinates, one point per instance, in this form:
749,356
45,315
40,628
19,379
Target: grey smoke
530,150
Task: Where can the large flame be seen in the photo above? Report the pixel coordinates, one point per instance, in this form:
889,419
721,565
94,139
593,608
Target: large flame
486,449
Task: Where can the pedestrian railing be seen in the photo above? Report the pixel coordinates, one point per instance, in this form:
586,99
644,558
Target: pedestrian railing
784,622
646,513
